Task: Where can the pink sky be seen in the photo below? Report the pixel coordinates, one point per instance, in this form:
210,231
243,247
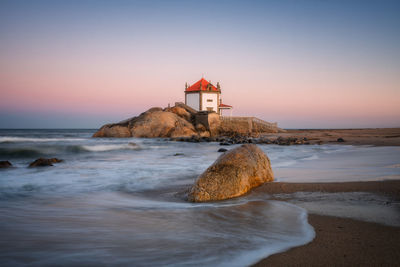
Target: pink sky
301,79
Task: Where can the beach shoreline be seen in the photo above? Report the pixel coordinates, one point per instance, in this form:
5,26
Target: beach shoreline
340,241
366,136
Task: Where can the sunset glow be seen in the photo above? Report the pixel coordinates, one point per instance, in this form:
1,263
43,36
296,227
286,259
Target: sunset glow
311,64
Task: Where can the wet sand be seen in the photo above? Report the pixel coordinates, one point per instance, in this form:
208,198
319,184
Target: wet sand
341,241
391,187
376,137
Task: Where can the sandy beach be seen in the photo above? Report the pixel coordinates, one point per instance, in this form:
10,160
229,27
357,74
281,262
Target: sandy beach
341,241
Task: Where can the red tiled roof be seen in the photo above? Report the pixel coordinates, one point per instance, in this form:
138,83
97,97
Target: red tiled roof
224,106
196,87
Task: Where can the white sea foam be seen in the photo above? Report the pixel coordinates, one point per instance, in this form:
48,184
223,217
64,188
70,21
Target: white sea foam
140,231
101,148
119,195
363,206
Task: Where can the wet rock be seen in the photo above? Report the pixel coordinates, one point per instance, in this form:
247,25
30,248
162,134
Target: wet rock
132,144
222,150
340,140
205,139
233,174
263,140
5,164
224,144
179,154
41,162
194,139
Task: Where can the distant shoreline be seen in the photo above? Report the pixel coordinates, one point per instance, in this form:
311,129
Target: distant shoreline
363,136
366,136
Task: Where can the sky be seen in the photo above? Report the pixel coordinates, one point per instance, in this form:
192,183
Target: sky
303,64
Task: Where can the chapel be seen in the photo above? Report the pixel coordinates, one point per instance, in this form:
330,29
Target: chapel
204,96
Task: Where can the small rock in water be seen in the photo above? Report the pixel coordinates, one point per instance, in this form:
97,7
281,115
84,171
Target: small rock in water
340,140
224,144
5,164
222,150
41,162
179,154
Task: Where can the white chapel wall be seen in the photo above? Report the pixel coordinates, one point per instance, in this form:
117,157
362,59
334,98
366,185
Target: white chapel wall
207,104
193,100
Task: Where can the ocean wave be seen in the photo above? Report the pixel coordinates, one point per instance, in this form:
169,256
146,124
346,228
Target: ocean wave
21,152
12,139
102,148
39,151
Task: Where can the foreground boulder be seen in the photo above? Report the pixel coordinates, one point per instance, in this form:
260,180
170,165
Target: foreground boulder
233,174
5,164
41,162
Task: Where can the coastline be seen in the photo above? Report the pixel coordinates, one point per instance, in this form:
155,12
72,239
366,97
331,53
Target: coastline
341,241
374,137
335,235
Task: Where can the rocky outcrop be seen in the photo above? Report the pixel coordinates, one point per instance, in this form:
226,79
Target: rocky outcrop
214,123
41,162
181,112
5,164
233,174
178,122
156,122
113,130
161,124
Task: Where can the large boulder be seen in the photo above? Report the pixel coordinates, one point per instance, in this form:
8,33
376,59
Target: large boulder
153,123
161,124
113,130
233,174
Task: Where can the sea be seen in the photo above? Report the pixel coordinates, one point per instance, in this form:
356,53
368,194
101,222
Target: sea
120,201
